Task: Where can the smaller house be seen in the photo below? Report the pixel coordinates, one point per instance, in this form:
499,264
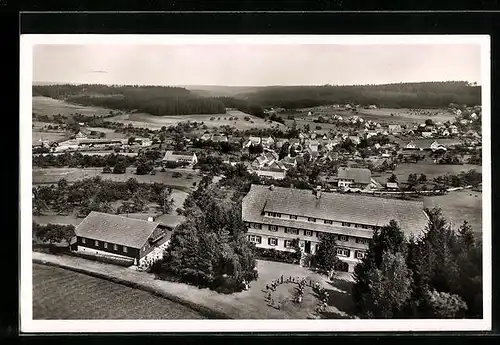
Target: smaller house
216,138
427,134
395,129
267,141
353,177
355,139
392,185
180,157
206,137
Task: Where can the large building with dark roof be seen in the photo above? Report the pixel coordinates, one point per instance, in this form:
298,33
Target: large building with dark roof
118,236
275,216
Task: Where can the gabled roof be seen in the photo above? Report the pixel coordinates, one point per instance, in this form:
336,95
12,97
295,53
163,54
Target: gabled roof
359,175
111,228
172,155
359,209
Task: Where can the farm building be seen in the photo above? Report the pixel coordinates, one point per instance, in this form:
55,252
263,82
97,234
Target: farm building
275,216
424,145
392,185
353,177
170,156
109,235
395,129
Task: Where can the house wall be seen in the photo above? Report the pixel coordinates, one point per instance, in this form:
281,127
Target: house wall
346,242
278,175
90,247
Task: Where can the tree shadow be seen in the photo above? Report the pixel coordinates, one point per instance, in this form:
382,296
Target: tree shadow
342,299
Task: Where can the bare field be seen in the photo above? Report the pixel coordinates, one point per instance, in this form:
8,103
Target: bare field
63,294
49,106
458,206
156,122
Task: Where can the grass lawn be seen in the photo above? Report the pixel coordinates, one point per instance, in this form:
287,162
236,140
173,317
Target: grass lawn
458,206
63,294
51,136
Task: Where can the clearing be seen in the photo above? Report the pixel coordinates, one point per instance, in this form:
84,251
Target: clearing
156,122
64,294
50,107
458,206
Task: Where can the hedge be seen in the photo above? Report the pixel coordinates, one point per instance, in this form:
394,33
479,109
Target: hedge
276,255
106,259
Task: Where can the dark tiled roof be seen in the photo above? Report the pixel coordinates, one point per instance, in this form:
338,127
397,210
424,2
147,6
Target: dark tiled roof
359,209
357,174
121,230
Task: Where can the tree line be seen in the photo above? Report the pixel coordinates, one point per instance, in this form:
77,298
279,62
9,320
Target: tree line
400,95
436,275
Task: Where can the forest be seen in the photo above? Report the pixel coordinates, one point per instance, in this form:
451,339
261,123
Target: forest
400,95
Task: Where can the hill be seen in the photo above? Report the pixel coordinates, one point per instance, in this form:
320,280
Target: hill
401,95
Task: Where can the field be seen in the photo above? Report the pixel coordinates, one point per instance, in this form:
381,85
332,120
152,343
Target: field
49,106
430,169
458,206
156,122
53,175
401,116
37,136
63,294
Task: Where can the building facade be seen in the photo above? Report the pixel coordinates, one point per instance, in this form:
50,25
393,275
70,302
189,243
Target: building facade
274,216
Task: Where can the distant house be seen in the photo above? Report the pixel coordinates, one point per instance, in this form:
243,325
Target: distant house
206,137
80,135
353,177
170,156
372,106
427,134
392,185
267,141
395,129
254,141
370,133
219,138
129,239
445,133
453,129
289,162
355,139
312,145
423,144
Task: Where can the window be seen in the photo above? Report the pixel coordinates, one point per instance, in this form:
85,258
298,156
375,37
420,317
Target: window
96,242
105,245
273,241
273,228
83,240
291,231
255,239
288,244
360,254
257,226
343,252
361,240
310,219
346,224
115,246
274,214
343,238
308,233
293,217
124,249
326,221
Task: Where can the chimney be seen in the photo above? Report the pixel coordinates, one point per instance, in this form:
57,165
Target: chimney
271,187
150,219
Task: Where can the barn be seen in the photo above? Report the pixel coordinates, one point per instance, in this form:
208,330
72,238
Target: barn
138,240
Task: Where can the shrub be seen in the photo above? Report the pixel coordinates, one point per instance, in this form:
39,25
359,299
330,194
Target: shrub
176,174
276,255
106,259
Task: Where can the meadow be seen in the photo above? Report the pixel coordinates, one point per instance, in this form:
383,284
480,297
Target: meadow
63,294
458,206
53,175
50,107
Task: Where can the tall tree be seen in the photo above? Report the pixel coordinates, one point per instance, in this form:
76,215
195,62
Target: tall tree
326,256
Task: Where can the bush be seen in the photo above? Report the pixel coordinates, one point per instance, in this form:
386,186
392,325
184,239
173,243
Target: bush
106,259
176,174
276,255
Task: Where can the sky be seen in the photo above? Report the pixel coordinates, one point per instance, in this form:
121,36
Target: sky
255,65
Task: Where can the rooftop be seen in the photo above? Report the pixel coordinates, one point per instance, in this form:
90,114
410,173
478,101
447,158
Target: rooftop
359,209
359,175
111,228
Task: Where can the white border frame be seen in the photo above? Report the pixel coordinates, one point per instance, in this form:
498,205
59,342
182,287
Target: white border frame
29,325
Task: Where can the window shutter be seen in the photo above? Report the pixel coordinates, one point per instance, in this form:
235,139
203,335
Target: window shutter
269,241
259,239
348,252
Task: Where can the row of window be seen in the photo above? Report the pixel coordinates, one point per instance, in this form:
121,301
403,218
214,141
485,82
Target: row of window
325,221
344,252
105,245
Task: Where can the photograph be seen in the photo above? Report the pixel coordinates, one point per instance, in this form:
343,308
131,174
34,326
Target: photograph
263,183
